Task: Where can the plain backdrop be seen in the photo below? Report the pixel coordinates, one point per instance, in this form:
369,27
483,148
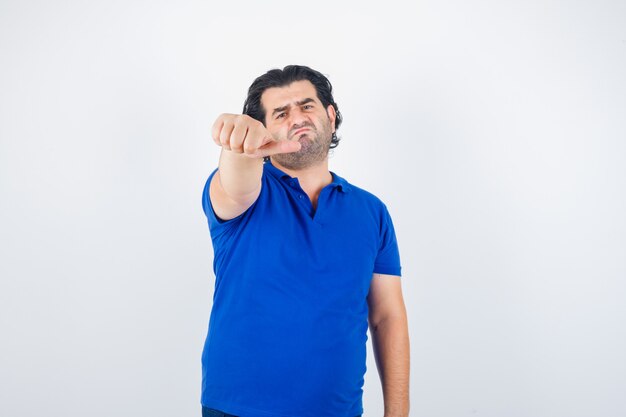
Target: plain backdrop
495,132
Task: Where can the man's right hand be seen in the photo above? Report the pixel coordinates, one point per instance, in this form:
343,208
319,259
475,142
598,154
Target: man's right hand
242,134
244,141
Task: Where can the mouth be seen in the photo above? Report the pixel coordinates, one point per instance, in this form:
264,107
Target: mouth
297,132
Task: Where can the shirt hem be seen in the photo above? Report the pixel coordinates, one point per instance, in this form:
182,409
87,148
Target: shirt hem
388,270
230,408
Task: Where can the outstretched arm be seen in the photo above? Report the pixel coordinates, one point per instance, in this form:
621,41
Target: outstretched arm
244,141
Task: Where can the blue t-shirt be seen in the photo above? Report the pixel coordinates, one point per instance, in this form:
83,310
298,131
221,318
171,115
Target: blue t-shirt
288,328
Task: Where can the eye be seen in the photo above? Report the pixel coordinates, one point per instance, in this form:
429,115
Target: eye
280,115
308,106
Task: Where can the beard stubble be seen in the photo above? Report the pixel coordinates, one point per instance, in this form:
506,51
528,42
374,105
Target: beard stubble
315,145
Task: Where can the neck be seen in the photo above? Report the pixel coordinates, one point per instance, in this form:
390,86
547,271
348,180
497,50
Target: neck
312,179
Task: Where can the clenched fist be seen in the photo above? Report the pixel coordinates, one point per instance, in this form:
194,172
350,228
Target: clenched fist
242,134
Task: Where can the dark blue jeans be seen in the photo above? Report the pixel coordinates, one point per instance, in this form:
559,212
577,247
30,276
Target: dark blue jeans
209,412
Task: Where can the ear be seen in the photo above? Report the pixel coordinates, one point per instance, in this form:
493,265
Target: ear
332,115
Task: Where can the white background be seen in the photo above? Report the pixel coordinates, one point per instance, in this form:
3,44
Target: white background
493,130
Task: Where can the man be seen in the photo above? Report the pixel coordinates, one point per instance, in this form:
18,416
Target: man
303,260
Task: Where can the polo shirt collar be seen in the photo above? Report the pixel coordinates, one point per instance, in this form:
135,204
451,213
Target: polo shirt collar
338,182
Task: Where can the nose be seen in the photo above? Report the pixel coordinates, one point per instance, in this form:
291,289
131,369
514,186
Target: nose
298,119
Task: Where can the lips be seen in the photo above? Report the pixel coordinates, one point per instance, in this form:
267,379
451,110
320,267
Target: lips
297,132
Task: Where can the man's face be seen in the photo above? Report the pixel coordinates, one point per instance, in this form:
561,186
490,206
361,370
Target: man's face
294,112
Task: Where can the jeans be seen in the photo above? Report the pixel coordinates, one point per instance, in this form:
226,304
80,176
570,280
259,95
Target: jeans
209,412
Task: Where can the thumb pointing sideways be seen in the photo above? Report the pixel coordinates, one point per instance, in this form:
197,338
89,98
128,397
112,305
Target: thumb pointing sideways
280,146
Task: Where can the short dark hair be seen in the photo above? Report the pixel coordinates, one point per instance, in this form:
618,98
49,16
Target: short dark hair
281,78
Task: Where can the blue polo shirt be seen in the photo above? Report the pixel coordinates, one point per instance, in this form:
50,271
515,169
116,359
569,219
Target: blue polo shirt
288,328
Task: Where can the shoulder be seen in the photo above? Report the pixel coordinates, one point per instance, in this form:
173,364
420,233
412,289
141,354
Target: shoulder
366,204
367,198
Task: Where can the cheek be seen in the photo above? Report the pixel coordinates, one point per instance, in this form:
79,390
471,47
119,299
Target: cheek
324,124
279,133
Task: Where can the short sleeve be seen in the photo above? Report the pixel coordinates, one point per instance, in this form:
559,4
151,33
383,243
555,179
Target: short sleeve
217,226
388,258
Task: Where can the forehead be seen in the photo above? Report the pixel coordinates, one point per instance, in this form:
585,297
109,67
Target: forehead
288,95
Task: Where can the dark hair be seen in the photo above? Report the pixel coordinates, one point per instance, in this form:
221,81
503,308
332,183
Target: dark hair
281,78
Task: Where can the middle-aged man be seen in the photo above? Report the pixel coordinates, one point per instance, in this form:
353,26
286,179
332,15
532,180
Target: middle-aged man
303,260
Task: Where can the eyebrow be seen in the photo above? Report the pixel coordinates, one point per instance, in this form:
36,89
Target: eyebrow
298,103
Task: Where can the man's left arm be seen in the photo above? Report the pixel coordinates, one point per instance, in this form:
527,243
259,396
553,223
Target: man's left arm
390,340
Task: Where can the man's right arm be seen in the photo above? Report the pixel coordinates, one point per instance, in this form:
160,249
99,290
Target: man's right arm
237,183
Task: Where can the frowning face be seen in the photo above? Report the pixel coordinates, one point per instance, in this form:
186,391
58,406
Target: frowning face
294,112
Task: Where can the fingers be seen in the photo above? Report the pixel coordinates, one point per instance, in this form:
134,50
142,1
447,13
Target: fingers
242,134
230,131
255,138
225,134
277,147
216,129
237,137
